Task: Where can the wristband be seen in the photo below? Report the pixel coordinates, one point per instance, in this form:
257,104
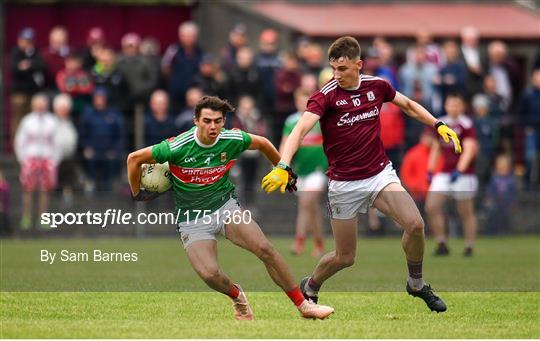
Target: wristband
439,123
283,165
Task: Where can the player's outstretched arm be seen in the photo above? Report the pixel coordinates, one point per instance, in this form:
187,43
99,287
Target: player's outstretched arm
418,112
282,176
291,145
134,162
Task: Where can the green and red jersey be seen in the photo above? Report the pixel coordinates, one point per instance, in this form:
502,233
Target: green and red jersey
200,173
310,155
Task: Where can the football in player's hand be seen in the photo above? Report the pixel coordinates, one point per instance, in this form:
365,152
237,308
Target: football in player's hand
156,177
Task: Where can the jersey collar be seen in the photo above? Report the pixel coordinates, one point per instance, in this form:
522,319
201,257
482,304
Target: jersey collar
202,144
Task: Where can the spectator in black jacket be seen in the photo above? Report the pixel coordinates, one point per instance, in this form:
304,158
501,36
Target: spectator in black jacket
530,116
28,75
181,62
210,79
158,123
244,79
267,63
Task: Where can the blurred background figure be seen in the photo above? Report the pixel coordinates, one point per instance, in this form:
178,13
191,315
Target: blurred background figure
416,82
138,71
237,39
66,144
452,75
373,66
95,41
5,202
416,78
248,118
310,164
76,82
311,83
487,133
158,122
287,80
530,116
424,40
210,79
107,76
184,120
497,68
414,168
313,59
102,139
244,79
38,156
456,180
267,63
28,75
472,58
55,54
181,62
501,195
150,53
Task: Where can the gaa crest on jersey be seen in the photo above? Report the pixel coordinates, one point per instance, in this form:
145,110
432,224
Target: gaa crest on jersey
223,156
370,96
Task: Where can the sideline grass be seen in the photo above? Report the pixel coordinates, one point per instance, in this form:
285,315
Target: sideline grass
209,315
495,294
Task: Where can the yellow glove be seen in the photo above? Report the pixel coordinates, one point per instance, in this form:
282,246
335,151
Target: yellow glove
447,135
277,178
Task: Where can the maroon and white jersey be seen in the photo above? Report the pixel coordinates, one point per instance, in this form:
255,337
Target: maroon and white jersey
351,127
464,128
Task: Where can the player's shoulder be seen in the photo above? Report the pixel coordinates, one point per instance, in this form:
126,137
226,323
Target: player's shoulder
231,134
368,78
180,140
329,88
372,82
465,121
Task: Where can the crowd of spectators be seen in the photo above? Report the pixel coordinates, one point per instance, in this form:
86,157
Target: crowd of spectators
96,91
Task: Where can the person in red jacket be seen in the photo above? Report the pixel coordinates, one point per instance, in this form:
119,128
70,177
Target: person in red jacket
414,168
76,82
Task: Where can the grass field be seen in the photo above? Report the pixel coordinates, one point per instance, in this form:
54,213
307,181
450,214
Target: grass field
496,294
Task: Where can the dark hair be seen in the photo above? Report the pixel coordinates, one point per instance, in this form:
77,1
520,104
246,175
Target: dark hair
344,47
213,103
456,94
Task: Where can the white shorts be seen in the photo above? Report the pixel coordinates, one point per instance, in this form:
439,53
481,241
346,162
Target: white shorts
315,181
465,186
207,227
348,198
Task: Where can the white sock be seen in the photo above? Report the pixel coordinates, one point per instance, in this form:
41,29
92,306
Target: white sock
416,283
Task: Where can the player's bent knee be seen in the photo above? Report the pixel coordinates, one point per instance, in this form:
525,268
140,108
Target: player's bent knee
415,226
210,276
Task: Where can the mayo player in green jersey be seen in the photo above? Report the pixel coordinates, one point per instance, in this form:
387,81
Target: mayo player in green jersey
310,164
199,161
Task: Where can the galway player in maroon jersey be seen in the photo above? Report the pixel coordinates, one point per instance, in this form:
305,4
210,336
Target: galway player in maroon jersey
360,174
457,178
